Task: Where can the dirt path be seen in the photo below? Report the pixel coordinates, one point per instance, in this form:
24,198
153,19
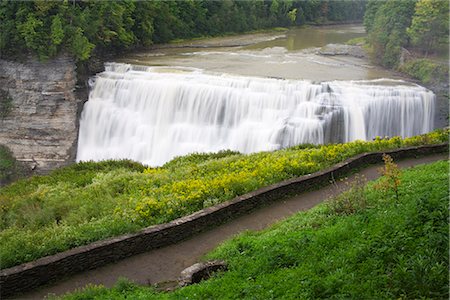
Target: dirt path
166,263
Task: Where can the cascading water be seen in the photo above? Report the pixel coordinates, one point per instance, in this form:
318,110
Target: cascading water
151,116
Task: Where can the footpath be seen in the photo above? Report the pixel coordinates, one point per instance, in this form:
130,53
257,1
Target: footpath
166,263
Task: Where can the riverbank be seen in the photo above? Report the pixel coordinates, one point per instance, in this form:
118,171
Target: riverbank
230,40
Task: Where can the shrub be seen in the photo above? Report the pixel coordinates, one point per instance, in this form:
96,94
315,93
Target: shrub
391,177
357,41
351,201
10,168
6,104
425,70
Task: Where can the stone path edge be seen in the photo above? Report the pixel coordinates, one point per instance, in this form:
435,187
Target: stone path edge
30,275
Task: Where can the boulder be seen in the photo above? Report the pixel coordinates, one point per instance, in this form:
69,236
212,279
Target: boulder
201,271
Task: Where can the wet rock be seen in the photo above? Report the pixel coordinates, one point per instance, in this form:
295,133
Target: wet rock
201,271
405,56
340,49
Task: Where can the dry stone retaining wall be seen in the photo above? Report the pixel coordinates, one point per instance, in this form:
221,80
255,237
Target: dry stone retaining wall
33,274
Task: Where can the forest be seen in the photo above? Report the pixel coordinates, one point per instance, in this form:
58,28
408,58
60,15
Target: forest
82,28
419,25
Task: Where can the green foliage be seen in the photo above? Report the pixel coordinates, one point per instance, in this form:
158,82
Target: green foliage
388,250
6,104
89,201
387,30
292,15
46,28
357,41
369,15
10,169
392,25
391,177
425,70
351,201
81,47
430,24
57,32
197,158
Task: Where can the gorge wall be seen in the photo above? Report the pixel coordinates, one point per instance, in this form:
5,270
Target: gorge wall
41,127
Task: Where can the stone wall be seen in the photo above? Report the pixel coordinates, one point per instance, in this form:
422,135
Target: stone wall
41,129
33,274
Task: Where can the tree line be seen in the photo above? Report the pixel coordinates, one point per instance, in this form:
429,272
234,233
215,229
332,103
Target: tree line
422,25
81,28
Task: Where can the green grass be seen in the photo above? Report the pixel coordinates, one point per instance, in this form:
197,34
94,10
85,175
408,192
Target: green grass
87,202
357,41
385,249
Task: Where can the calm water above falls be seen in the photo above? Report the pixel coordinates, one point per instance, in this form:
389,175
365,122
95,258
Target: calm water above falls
151,115
290,55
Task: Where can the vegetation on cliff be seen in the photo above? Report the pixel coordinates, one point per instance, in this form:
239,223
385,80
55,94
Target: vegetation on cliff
425,70
90,201
6,104
10,168
47,28
379,247
422,26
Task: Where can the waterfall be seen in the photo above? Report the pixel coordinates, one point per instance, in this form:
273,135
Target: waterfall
152,114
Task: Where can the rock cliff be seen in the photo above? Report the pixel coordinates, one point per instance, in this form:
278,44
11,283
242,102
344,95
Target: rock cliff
41,126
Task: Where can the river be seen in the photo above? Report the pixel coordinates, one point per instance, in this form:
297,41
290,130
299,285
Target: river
292,54
249,93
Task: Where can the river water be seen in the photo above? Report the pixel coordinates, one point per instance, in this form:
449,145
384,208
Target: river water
249,93
291,55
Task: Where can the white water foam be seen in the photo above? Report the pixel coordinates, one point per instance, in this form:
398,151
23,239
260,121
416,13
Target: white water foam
150,116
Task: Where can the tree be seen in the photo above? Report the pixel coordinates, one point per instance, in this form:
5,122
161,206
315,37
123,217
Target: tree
84,28
387,33
369,15
429,26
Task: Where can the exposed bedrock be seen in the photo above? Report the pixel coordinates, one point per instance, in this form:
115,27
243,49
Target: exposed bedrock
41,126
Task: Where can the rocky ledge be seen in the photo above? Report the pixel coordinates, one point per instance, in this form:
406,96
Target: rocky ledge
41,126
341,49
201,271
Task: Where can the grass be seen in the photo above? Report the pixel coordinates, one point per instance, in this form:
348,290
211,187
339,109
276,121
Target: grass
86,202
387,248
357,41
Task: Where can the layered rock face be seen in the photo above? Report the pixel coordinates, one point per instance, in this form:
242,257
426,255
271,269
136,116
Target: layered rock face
41,128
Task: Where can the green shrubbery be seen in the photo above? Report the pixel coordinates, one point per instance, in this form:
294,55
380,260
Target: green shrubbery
91,201
387,249
391,25
425,70
6,104
10,168
357,41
